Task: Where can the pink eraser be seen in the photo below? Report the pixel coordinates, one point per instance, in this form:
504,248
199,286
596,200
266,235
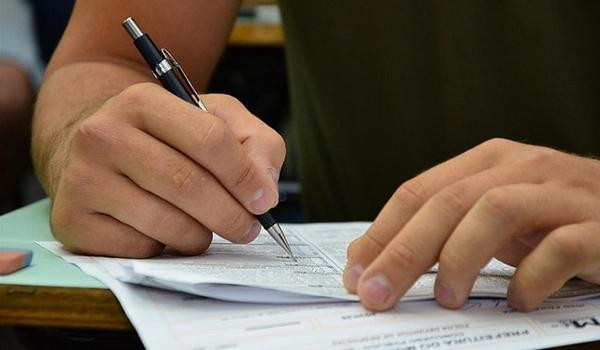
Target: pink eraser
12,260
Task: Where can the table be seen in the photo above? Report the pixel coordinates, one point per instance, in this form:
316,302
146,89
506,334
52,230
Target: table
51,292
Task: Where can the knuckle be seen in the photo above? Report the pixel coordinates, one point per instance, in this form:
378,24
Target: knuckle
541,157
493,150
411,193
223,104
374,240
500,203
224,99
186,184
452,262
568,246
183,180
352,249
211,136
95,130
496,143
233,226
245,174
135,95
402,254
453,198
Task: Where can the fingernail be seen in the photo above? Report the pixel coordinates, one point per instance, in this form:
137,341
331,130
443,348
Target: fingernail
251,233
353,276
262,200
377,290
444,294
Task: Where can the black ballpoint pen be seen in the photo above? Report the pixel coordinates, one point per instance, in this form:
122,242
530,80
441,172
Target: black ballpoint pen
173,78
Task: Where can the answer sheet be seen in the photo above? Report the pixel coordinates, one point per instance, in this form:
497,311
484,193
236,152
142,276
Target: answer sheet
170,320
262,271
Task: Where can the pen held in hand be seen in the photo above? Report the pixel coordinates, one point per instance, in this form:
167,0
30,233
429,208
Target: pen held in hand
173,78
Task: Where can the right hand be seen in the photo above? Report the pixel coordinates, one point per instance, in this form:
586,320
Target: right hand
149,170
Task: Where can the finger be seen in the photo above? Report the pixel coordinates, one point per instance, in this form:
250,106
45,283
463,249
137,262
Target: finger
411,196
565,253
417,246
513,253
159,169
262,143
520,247
501,215
204,138
77,225
149,214
98,234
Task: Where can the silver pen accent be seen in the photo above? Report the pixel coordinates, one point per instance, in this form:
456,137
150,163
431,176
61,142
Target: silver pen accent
277,233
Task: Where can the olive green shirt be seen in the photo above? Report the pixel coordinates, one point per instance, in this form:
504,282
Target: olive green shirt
382,90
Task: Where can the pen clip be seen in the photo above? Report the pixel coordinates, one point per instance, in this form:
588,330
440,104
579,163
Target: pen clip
188,83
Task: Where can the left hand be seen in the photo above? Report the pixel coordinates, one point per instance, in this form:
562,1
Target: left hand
532,207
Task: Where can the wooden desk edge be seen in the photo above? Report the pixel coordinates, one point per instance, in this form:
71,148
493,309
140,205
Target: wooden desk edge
87,308
83,308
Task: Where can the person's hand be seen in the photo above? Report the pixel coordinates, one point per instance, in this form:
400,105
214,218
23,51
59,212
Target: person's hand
149,170
532,207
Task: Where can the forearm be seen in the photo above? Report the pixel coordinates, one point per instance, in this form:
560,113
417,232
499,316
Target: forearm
68,96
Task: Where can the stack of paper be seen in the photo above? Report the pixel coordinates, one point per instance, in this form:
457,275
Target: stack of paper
261,272
297,316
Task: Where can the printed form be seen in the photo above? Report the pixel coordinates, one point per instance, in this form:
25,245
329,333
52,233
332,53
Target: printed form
261,272
169,319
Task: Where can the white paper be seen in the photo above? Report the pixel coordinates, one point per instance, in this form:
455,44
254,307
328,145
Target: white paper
170,320
261,272
316,276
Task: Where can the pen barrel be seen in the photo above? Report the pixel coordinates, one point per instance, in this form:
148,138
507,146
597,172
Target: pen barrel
171,82
149,51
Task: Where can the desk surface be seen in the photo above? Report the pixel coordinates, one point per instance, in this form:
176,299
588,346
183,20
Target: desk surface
53,293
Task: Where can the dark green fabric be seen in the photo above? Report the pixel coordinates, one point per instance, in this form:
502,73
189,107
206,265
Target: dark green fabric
382,90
